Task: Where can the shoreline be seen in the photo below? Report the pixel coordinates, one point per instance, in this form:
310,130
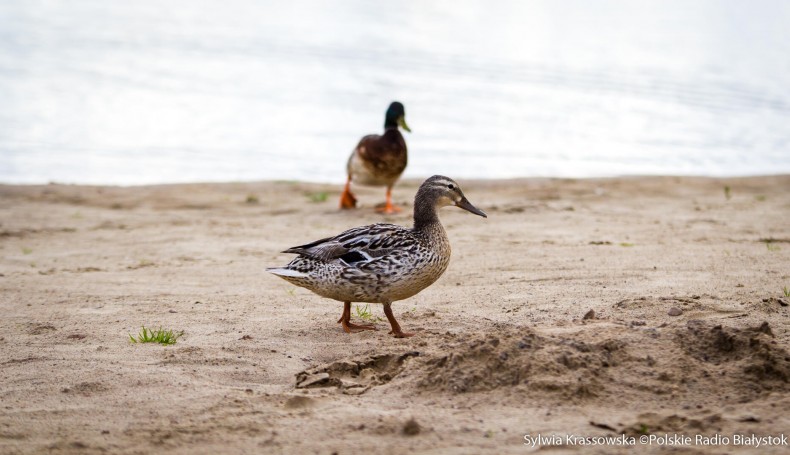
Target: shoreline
406,179
590,307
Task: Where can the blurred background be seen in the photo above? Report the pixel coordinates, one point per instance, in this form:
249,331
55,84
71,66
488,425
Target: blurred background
151,91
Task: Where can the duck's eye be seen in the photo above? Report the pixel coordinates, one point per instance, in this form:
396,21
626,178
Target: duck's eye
451,186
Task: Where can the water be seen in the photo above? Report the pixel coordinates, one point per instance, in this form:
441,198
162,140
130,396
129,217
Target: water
148,91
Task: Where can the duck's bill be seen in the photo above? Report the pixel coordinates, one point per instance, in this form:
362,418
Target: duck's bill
402,123
466,205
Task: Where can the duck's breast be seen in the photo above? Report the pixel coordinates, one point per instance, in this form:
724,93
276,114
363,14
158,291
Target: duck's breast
377,161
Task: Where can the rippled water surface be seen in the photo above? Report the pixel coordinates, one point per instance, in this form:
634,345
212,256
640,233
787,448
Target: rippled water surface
94,91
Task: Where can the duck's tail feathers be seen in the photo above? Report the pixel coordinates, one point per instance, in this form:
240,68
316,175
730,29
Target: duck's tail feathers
284,272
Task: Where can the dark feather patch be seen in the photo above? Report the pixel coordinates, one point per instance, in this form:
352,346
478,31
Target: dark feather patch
352,257
386,236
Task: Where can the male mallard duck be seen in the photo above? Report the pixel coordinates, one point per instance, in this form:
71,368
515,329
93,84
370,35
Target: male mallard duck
380,263
378,160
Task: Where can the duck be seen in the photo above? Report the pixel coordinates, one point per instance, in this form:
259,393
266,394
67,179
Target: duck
381,262
379,160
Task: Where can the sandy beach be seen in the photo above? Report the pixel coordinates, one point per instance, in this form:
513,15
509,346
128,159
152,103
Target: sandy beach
622,307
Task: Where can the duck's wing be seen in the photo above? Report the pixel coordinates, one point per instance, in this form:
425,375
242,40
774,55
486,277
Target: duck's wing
358,245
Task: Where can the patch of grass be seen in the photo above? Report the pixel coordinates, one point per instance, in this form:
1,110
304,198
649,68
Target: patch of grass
252,199
320,196
760,198
773,240
786,291
365,314
26,250
626,244
770,243
142,263
727,192
159,335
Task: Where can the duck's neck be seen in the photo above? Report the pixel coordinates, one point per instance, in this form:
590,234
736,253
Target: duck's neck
425,216
390,122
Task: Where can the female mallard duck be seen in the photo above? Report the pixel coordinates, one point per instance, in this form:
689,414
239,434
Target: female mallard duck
378,160
380,263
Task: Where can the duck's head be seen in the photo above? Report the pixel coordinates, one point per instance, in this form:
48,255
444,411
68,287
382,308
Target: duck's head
396,116
441,191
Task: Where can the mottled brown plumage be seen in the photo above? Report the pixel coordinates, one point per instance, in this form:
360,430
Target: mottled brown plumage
380,263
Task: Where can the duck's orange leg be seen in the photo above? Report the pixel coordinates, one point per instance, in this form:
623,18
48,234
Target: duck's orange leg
348,326
347,200
395,326
389,208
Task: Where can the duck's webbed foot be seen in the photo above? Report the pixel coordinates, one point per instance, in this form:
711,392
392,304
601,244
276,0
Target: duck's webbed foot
395,326
350,327
347,200
388,208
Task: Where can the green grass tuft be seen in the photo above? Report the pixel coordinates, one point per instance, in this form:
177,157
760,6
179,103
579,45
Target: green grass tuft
321,196
786,291
365,314
252,199
159,335
626,244
727,192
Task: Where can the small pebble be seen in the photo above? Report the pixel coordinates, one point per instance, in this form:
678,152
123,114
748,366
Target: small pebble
674,311
411,428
